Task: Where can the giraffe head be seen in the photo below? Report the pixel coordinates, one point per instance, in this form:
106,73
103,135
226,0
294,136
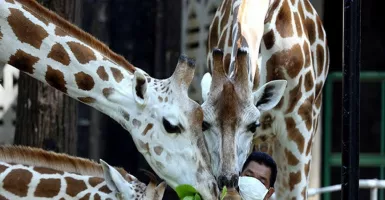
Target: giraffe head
166,126
129,188
231,114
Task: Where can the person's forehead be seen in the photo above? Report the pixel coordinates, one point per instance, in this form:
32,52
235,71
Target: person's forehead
259,168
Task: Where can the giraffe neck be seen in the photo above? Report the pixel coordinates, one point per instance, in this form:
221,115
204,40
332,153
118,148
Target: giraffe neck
64,57
58,161
33,173
293,47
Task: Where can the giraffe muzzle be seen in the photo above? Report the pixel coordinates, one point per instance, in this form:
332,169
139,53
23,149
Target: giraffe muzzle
230,181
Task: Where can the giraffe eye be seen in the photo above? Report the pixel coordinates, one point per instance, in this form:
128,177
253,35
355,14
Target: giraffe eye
171,128
253,127
205,126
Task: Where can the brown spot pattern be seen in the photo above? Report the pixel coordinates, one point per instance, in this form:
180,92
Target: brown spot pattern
105,189
310,28
82,53
294,178
318,101
3,198
44,170
306,110
309,81
307,53
294,96
84,81
320,58
309,145
59,54
307,168
148,127
266,121
319,27
94,181
1,34
283,21
48,188
60,32
55,78
298,24
270,14
17,181
291,159
126,116
74,186
213,39
107,92
97,197
25,30
294,134
136,123
10,1
269,39
102,73
291,59
86,197
158,150
87,99
144,146
308,6
226,14
45,21
2,168
118,76
23,61
160,99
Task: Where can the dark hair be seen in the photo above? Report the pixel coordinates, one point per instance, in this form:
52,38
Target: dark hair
265,159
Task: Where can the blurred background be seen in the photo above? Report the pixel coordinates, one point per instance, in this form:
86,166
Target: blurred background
152,34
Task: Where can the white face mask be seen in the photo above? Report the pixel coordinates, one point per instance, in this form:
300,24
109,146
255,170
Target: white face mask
251,188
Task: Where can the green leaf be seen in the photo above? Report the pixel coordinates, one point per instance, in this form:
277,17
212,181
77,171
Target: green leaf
197,197
224,192
188,198
185,191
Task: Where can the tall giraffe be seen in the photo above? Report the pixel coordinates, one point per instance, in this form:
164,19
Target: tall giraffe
32,173
164,122
285,40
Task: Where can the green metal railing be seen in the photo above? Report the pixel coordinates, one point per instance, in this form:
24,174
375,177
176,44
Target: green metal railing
333,159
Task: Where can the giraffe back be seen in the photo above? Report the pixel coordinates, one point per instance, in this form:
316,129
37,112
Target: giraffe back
23,176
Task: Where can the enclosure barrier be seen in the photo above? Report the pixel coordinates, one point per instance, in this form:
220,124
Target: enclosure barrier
372,184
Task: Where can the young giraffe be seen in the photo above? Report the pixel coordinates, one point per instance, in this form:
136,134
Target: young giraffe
163,121
33,174
286,41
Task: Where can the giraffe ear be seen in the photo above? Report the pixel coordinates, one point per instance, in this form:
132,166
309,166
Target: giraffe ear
269,95
205,85
159,191
140,88
113,178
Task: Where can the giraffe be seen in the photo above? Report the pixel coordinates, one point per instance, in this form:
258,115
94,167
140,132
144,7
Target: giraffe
164,122
284,40
32,173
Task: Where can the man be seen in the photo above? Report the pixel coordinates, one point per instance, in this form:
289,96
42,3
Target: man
258,177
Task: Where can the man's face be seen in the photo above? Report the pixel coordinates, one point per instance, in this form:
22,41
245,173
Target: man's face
258,171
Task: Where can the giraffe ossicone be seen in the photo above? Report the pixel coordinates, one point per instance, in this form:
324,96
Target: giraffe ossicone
164,122
35,174
286,41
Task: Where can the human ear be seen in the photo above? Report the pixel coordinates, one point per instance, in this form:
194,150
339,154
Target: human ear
269,193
